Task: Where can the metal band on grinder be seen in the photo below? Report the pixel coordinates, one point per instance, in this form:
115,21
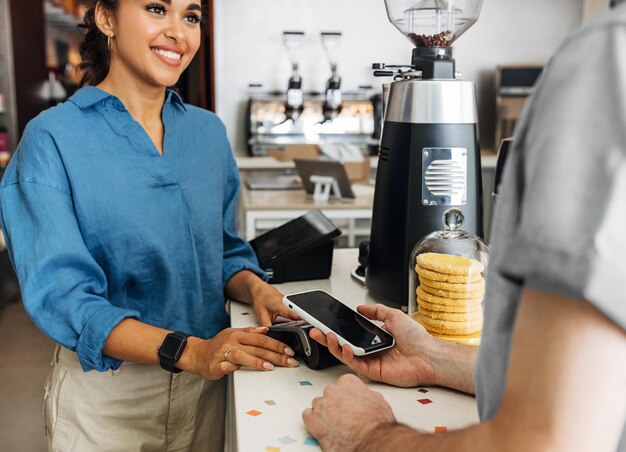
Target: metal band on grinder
432,102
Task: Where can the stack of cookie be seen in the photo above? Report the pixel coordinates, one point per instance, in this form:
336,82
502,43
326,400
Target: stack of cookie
449,296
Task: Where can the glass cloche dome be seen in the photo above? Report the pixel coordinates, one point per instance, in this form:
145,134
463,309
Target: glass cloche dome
447,272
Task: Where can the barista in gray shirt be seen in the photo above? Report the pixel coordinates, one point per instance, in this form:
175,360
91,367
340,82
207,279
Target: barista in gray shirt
550,373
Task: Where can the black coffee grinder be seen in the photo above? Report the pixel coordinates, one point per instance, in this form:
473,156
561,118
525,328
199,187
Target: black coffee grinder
429,158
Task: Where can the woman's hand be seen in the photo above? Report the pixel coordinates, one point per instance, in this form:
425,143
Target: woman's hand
267,304
266,301
233,348
407,364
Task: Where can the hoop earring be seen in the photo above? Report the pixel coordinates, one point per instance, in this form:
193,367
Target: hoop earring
109,42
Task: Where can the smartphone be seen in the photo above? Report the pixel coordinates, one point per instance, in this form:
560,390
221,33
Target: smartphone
327,313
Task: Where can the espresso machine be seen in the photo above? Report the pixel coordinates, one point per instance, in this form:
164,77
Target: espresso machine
302,121
429,157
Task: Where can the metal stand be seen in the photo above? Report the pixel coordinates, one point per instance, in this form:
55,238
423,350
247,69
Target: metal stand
324,185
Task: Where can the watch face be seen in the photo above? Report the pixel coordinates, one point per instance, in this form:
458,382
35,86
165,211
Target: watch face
172,347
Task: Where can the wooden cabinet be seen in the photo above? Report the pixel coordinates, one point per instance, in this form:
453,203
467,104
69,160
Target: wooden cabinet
24,49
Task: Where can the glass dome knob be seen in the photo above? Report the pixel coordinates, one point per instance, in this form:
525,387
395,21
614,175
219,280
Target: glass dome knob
453,219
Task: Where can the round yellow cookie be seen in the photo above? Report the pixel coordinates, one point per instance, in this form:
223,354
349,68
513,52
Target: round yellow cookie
450,327
449,264
478,293
444,277
435,299
472,329
470,339
448,308
470,316
454,287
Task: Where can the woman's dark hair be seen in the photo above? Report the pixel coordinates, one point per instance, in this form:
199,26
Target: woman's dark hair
94,50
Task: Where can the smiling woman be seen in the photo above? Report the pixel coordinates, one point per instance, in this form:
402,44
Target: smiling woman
119,213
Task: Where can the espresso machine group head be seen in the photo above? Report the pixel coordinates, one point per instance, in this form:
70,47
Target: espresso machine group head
294,104
334,99
429,157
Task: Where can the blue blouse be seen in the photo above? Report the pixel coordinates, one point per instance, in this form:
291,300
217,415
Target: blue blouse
101,227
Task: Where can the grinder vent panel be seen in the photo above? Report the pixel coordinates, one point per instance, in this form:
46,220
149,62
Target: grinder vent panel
444,178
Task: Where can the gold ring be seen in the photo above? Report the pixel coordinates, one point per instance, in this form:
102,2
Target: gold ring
228,350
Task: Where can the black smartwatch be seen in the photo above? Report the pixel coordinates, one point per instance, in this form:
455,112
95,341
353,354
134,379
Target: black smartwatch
171,349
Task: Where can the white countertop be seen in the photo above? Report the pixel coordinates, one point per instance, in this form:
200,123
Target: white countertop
266,407
255,163
488,160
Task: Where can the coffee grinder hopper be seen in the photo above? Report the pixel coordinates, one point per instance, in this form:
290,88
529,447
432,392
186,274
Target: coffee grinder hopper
433,23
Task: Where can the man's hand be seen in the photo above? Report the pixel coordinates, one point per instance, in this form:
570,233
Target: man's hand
346,414
407,364
416,359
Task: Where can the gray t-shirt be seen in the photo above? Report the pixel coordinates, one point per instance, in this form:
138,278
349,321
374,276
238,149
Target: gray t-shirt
560,218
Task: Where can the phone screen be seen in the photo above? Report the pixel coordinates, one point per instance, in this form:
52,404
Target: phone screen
338,317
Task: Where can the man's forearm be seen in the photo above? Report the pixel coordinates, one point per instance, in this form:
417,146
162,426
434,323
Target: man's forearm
395,436
454,365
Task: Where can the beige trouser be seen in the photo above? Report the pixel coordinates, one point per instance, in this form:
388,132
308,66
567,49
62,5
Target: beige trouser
134,408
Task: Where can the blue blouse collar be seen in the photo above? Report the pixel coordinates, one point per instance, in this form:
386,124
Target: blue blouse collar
90,95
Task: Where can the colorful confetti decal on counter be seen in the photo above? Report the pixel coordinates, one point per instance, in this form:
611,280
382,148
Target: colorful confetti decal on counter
310,441
285,440
441,429
272,449
424,401
254,413
422,390
270,402
306,383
